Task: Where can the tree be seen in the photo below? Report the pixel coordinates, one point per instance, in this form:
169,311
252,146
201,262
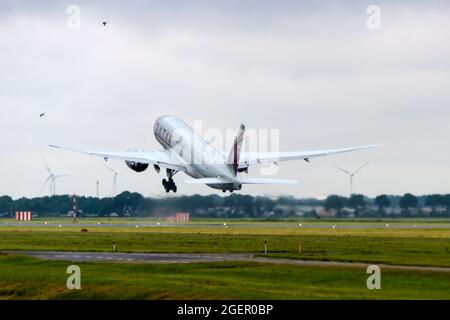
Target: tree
241,204
262,205
446,202
6,205
408,201
433,201
357,202
382,201
334,202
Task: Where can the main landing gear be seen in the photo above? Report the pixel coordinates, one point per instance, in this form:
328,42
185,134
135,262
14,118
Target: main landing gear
169,185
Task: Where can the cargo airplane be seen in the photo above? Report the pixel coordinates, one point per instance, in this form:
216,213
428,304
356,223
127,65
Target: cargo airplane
186,151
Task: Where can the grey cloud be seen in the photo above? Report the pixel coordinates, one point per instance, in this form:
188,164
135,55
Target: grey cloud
312,70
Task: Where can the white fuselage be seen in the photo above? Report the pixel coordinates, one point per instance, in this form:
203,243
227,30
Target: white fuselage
201,158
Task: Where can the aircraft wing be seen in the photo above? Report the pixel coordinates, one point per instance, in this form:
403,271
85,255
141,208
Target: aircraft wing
264,157
160,158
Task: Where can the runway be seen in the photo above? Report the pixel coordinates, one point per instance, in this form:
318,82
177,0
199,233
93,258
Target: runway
200,258
263,225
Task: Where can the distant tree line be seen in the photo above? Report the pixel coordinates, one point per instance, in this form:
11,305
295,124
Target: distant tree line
408,205
233,206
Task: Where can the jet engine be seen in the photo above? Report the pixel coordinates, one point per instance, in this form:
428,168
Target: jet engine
136,166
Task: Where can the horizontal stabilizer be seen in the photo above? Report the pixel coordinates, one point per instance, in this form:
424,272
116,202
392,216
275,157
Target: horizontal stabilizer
242,181
267,181
206,181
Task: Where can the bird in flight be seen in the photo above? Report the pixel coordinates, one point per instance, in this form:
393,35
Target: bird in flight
42,115
105,23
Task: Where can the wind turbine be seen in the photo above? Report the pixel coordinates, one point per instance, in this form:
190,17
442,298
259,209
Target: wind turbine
351,174
51,178
115,174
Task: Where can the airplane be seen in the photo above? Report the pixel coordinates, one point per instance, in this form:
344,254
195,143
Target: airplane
186,151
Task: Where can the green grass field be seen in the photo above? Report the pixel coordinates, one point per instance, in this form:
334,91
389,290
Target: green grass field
28,278
426,247
256,221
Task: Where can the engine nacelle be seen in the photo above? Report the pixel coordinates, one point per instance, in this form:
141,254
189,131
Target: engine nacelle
136,166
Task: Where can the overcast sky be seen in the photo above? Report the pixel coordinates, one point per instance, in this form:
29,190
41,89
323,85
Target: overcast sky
313,71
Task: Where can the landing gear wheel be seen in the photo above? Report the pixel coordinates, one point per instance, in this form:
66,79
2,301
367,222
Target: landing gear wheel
169,185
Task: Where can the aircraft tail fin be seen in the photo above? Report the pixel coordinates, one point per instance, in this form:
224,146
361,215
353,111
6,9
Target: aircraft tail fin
233,157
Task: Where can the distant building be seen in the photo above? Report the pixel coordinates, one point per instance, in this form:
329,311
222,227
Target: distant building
324,213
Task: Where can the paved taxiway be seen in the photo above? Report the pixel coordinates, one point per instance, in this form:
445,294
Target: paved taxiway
198,257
